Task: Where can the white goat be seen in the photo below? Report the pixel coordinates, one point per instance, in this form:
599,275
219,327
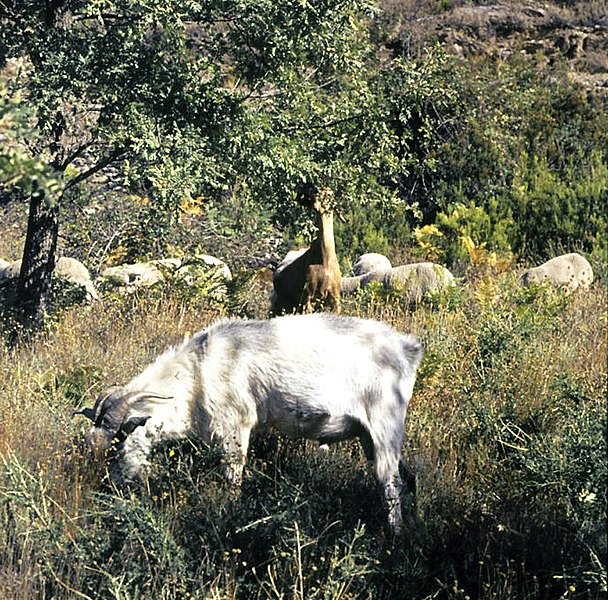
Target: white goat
315,376
372,261
568,272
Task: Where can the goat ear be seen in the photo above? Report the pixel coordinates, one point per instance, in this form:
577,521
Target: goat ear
89,413
130,425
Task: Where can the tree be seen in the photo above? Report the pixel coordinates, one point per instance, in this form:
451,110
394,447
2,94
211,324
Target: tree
189,94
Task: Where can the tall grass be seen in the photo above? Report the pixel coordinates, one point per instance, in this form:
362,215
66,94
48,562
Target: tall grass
506,433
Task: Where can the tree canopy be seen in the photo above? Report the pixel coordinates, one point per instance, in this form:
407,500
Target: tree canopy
188,98
273,100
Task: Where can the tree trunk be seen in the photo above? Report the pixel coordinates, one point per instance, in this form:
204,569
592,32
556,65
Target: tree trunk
34,287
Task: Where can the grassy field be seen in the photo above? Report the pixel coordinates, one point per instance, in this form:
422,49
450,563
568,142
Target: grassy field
506,434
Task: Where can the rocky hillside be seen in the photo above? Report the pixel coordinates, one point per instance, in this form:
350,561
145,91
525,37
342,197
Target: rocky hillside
567,32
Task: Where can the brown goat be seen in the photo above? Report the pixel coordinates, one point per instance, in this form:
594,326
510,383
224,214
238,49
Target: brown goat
311,281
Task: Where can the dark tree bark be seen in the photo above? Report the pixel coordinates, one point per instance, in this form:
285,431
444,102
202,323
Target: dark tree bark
34,287
39,252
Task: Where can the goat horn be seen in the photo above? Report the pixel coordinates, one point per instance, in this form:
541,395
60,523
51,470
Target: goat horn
132,397
89,413
129,398
92,413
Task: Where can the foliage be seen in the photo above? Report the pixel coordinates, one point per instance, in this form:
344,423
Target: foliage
425,108
511,149
469,222
193,97
322,128
383,228
560,212
192,101
511,161
20,171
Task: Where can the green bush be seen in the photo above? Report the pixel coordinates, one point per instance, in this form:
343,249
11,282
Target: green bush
375,228
468,220
559,212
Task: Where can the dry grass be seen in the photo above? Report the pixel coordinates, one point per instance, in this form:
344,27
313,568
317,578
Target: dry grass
13,236
503,433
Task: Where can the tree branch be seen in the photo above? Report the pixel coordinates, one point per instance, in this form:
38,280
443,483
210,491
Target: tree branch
114,155
73,156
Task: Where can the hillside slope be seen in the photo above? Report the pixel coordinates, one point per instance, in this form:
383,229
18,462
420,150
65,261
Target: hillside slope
574,34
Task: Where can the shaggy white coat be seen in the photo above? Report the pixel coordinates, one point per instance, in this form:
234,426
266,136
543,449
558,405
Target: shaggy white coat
316,376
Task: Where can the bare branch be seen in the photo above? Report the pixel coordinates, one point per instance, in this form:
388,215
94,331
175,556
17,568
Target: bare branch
113,156
74,155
